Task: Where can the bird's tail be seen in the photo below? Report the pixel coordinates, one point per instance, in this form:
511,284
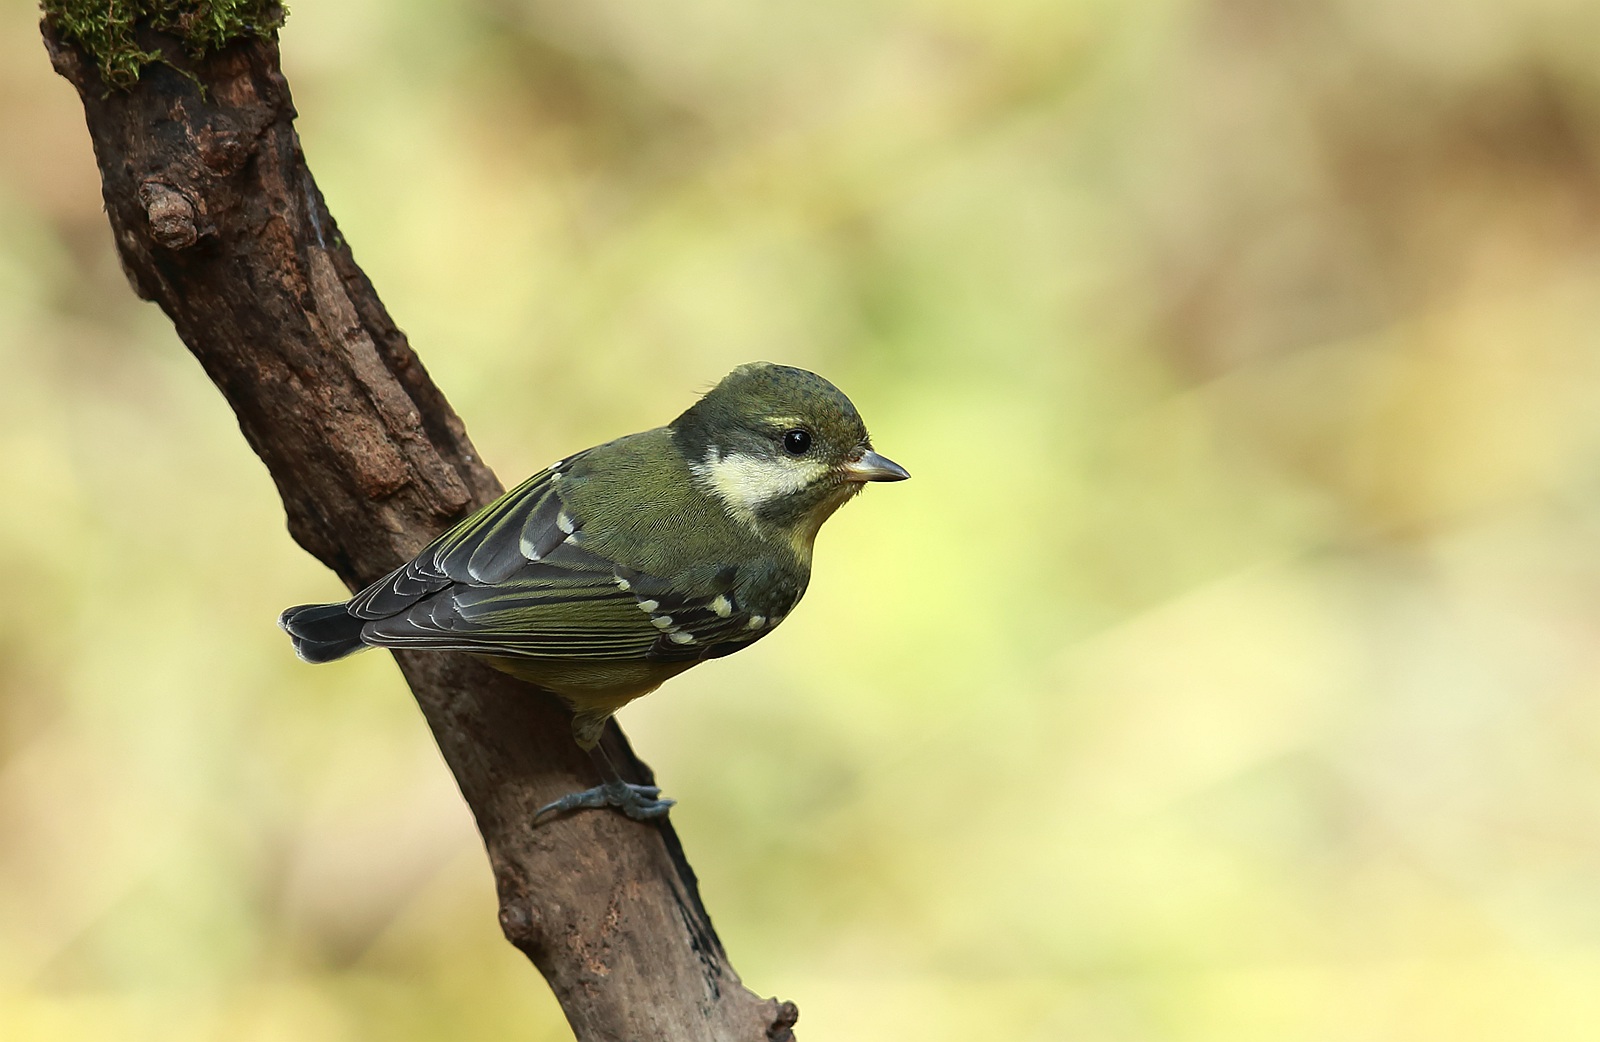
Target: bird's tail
322,632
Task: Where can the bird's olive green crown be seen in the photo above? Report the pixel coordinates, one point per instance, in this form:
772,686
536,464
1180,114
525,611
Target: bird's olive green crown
776,444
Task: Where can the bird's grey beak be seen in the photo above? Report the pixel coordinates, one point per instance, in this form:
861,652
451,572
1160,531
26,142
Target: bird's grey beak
873,467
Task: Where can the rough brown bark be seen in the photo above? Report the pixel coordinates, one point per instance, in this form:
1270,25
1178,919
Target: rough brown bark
217,219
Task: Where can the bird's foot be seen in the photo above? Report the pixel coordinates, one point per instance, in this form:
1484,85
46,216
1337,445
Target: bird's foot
638,802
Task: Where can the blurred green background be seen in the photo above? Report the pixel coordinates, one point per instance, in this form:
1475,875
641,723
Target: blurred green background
1228,671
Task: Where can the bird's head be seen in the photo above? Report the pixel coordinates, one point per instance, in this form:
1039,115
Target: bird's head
782,449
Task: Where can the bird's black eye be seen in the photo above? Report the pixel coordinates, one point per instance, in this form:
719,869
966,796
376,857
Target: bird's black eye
796,442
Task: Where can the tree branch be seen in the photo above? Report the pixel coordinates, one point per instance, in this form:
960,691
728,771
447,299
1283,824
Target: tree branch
218,220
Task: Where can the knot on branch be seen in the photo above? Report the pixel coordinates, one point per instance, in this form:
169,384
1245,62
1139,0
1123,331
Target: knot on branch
784,1018
171,215
517,922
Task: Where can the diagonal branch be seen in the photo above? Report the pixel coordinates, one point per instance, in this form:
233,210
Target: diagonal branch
218,220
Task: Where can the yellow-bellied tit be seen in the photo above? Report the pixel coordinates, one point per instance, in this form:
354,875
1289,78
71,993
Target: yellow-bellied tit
621,566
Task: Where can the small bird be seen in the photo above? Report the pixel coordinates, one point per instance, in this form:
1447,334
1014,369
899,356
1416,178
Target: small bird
619,567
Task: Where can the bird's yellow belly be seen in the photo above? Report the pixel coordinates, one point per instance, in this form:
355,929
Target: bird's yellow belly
593,690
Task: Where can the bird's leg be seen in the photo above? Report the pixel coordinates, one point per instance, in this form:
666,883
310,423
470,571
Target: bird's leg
638,802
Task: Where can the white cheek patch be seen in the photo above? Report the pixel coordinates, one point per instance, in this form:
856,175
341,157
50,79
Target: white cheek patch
746,483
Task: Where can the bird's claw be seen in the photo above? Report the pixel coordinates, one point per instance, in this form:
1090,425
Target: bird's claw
638,802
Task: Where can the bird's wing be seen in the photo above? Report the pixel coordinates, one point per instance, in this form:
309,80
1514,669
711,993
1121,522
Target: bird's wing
453,557
516,579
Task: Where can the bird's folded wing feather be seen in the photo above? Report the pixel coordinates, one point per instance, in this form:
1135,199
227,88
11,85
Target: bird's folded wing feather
516,579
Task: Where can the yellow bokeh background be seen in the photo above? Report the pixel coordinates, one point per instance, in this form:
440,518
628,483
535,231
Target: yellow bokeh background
1229,670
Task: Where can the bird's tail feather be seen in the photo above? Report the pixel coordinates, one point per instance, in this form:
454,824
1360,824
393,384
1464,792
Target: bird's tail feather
322,632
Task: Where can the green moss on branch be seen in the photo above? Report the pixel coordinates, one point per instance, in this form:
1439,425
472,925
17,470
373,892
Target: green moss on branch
105,29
